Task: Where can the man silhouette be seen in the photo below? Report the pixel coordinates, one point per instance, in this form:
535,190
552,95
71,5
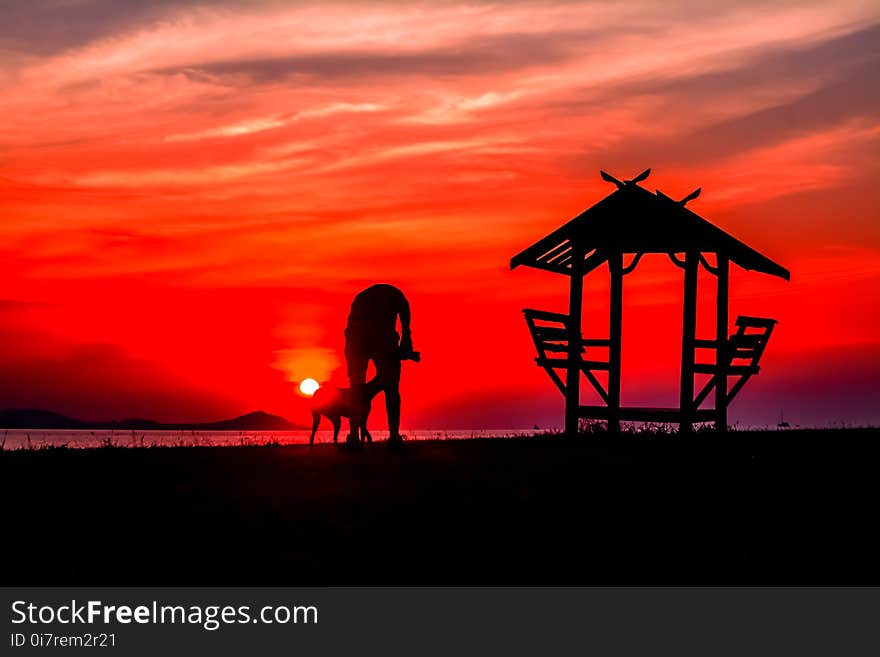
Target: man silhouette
371,334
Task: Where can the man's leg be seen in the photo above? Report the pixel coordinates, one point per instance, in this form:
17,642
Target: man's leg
388,371
392,407
356,362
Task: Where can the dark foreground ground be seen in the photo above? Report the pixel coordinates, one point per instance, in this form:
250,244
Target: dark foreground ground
797,507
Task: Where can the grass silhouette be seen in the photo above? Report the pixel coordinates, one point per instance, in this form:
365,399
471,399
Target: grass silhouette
790,507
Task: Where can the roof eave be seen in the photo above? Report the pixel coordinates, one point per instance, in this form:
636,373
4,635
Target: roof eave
771,269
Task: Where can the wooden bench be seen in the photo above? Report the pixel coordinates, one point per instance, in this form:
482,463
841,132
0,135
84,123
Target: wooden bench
550,335
740,356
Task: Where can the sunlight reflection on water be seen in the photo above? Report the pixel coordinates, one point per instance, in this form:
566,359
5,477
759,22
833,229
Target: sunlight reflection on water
47,439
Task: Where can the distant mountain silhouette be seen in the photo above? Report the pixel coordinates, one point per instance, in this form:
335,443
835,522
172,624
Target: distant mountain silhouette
30,418
256,421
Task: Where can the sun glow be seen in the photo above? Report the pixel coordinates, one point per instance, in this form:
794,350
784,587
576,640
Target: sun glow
309,387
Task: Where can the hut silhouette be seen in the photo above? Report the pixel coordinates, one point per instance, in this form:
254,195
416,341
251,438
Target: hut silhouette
633,221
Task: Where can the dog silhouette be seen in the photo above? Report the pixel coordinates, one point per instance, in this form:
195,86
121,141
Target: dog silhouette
335,403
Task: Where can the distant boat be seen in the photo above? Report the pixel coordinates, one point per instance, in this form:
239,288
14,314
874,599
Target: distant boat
782,423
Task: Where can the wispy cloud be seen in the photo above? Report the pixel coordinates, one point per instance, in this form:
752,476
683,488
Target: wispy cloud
182,177
234,130
250,126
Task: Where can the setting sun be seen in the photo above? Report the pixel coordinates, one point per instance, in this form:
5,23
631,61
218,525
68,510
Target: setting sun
308,387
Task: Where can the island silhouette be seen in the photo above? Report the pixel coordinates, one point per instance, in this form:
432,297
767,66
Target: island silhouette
40,419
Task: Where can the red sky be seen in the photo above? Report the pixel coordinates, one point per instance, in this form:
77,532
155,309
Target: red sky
191,194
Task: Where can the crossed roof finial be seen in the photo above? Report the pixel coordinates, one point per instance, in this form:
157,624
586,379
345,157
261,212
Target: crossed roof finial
620,185
639,178
690,197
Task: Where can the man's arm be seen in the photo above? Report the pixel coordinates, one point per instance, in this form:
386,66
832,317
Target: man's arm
405,317
406,345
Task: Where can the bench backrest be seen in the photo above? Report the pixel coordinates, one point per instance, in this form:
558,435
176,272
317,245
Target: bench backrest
750,338
549,331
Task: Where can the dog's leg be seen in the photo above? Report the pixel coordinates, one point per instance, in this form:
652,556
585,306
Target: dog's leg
368,407
316,420
363,423
337,423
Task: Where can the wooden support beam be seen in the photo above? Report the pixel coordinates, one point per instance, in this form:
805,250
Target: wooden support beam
551,333
573,369
615,266
675,260
563,363
721,318
632,266
557,380
709,268
688,341
544,315
734,391
597,385
732,370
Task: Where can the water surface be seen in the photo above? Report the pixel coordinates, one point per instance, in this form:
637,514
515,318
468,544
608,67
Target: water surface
46,439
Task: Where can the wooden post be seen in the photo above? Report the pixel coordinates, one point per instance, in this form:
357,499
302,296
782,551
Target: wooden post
721,337
615,266
688,336
573,369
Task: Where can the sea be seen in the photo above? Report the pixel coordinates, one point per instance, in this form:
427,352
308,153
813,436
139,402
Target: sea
13,439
